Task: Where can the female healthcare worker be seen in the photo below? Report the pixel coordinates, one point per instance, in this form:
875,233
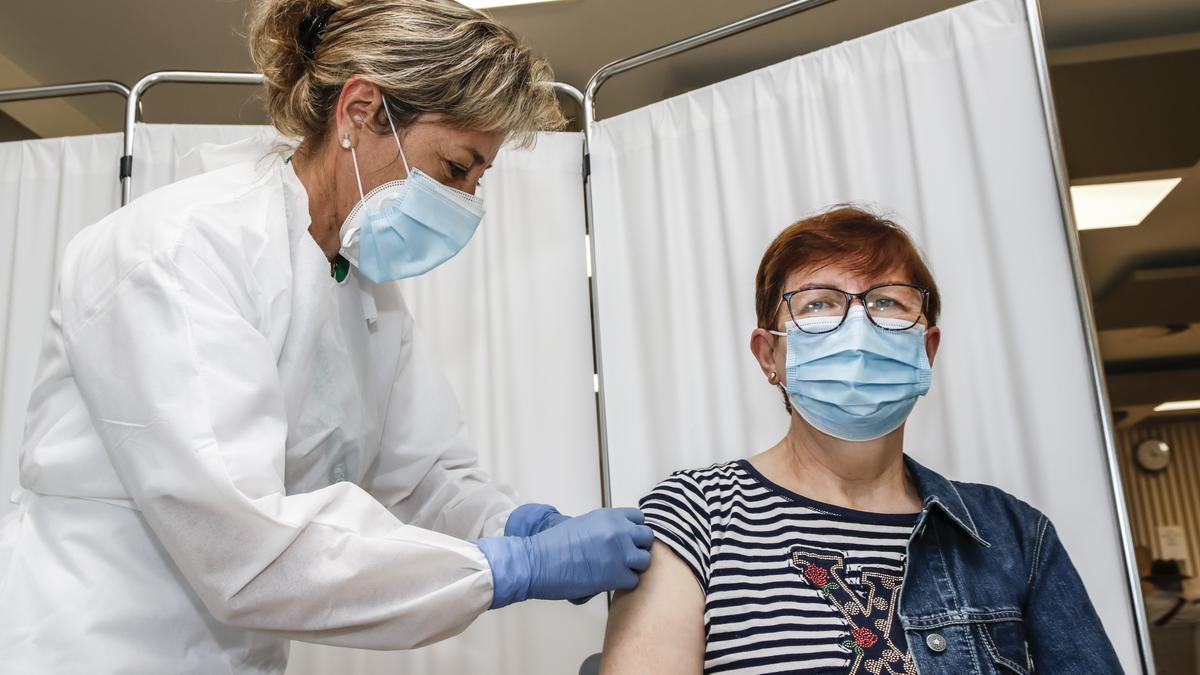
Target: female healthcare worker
236,438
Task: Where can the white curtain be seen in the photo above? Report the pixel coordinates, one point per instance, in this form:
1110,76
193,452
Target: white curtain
937,123
511,324
509,318
49,190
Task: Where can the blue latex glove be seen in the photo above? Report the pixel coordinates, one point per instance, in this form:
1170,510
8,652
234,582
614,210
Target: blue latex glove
600,551
528,519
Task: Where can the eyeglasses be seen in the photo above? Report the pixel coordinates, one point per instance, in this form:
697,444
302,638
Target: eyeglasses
822,309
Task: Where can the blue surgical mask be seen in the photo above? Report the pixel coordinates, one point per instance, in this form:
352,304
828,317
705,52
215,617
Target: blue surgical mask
858,382
407,227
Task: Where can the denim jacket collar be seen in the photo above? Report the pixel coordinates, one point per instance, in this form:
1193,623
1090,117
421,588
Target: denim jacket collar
939,494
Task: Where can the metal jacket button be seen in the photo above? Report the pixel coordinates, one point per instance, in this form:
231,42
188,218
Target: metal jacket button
936,642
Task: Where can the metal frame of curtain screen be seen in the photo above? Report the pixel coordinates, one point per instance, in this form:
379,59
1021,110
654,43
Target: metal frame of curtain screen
587,101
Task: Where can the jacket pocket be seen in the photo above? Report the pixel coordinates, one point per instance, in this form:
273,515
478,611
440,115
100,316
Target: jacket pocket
1006,646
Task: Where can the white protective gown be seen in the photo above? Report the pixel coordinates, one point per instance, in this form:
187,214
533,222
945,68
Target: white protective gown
226,449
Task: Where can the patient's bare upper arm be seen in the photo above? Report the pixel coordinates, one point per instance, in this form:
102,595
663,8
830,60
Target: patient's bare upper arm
657,627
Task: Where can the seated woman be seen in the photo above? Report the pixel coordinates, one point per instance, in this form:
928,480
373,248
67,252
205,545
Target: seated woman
834,552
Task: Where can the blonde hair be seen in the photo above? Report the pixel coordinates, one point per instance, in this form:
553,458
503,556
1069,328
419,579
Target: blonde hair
427,56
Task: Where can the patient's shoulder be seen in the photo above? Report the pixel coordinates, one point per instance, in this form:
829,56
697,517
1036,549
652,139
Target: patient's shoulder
713,485
679,510
695,491
708,480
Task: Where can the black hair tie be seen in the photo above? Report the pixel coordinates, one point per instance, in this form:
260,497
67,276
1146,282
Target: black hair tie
312,29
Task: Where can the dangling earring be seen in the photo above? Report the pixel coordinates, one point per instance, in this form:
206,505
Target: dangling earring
346,141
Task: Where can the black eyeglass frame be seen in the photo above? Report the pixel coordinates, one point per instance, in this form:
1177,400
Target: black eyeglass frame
786,301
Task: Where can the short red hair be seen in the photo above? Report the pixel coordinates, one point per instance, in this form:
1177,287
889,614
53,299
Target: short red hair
848,237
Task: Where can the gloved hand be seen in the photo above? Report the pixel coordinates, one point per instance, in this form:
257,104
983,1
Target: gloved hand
528,519
600,551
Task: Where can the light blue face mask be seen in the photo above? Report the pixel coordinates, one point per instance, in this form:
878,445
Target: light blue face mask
407,227
859,382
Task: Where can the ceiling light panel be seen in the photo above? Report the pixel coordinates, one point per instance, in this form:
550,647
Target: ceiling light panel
1172,406
1118,204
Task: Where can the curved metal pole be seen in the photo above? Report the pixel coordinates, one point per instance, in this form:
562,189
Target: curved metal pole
1090,338
570,92
589,123
204,77
131,108
63,90
698,40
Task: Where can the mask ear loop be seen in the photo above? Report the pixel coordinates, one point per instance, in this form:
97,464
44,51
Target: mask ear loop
387,113
357,177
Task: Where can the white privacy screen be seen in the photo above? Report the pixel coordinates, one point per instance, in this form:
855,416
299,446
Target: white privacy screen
509,319
936,123
50,189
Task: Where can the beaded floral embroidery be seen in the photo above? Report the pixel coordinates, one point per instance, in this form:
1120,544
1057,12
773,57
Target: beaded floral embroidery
869,609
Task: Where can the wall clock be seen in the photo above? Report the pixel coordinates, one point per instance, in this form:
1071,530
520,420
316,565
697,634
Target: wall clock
1152,455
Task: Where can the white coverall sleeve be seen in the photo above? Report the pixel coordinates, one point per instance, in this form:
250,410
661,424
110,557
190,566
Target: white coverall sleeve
427,471
184,392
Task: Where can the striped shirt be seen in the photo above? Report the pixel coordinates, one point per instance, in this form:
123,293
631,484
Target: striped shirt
790,584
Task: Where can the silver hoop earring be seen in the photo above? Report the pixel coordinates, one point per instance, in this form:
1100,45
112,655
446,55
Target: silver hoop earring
346,141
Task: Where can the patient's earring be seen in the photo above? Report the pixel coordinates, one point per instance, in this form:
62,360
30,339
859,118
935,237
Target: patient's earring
346,141
771,377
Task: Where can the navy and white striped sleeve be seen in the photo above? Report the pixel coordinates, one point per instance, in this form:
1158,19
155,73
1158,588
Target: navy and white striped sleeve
677,511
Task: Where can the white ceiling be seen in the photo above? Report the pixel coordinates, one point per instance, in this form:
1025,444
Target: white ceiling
1082,22
53,41
1169,236
1149,342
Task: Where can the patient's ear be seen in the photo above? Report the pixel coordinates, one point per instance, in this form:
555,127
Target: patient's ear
764,346
933,338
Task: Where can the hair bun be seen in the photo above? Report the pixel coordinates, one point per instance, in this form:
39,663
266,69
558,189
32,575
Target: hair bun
312,29
427,56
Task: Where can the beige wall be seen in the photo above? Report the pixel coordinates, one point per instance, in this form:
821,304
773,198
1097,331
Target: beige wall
1170,497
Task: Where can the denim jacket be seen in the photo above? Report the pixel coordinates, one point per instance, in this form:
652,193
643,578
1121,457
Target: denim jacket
989,588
